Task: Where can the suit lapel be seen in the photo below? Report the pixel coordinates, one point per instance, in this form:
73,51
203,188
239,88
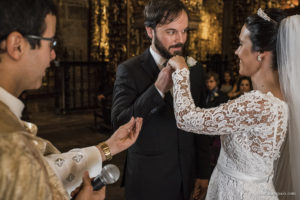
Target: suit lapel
149,65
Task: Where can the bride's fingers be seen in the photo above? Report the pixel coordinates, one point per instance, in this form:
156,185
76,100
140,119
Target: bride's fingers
175,62
171,66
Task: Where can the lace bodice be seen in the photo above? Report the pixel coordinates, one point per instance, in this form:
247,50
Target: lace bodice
252,127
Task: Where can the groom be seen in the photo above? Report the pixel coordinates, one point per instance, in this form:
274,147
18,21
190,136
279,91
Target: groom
164,162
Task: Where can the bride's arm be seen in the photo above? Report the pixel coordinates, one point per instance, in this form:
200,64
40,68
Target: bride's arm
233,117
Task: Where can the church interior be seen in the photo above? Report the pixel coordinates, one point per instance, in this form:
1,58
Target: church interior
72,108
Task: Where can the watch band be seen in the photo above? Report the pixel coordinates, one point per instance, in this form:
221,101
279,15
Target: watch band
104,147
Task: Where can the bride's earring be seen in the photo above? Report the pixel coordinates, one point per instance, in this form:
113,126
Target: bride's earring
259,58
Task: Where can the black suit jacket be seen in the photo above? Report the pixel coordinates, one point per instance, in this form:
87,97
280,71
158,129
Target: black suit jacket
161,164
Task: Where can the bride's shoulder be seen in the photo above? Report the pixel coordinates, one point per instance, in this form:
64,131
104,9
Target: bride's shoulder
254,96
269,97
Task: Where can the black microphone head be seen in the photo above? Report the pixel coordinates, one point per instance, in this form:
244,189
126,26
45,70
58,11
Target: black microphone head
110,174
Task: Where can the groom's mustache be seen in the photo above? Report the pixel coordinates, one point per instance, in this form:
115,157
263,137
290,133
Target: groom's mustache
176,45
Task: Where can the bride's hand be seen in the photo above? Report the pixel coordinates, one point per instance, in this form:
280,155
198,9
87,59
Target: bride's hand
177,62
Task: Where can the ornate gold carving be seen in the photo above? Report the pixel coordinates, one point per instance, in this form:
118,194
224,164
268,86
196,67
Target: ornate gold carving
118,32
206,37
283,4
104,41
138,40
194,6
99,41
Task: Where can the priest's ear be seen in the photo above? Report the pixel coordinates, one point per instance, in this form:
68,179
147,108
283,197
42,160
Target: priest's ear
15,45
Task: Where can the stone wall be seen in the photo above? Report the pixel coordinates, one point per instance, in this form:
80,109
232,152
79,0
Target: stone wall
72,30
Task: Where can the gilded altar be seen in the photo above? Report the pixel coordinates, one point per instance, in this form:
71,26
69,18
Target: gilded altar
115,29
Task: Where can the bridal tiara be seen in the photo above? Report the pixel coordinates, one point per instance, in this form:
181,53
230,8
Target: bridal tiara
263,15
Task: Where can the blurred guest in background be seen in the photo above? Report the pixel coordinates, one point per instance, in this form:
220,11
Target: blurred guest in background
227,82
244,85
214,95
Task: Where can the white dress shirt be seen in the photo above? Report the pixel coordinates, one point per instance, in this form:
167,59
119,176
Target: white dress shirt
159,60
15,105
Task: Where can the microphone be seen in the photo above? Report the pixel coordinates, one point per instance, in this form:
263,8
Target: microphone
110,174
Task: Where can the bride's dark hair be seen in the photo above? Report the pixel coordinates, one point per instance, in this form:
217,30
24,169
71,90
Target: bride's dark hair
263,33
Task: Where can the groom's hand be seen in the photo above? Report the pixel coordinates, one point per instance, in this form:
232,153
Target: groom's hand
164,80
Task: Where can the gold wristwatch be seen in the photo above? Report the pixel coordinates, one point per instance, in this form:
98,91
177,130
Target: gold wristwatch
104,147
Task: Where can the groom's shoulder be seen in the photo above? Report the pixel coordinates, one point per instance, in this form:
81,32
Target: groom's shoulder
133,61
128,65
198,67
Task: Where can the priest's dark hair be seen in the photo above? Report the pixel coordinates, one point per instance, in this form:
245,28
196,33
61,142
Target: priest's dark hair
26,17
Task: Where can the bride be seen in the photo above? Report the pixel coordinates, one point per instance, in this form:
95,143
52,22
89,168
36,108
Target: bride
254,126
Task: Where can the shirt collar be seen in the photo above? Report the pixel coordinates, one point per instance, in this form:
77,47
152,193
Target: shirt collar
159,60
214,90
14,104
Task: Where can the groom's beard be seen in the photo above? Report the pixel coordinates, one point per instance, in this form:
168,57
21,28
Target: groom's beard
166,52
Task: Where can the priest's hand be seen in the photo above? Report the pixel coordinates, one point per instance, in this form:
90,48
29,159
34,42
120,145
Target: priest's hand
85,190
125,136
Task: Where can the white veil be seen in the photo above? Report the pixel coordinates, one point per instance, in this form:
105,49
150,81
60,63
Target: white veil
288,57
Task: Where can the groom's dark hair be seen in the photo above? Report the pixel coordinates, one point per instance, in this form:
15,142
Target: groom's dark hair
162,12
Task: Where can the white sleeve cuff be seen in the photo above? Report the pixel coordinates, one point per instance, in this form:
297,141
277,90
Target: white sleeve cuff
161,94
70,166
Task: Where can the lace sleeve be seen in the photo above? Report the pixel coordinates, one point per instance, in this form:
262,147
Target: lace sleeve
236,116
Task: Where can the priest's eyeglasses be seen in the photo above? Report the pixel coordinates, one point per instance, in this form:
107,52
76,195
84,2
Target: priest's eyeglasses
53,41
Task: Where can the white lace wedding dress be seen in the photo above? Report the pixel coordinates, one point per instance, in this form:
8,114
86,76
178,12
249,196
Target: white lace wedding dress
252,128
